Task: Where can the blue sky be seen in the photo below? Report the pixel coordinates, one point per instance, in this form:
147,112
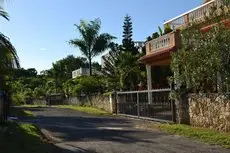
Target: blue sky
40,29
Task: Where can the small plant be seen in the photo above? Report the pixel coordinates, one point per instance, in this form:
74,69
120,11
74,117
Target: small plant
155,35
167,29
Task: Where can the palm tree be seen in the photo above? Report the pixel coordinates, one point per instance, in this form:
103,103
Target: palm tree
3,13
8,54
91,42
8,57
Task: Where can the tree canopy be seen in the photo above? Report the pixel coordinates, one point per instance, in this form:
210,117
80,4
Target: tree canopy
202,62
127,42
91,43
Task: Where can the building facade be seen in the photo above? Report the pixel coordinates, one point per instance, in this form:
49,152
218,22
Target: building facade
103,58
158,51
84,72
80,72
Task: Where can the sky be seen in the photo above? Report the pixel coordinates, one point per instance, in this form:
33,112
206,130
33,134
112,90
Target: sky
40,29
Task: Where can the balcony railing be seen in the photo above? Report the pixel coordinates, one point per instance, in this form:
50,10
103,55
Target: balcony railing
195,14
163,42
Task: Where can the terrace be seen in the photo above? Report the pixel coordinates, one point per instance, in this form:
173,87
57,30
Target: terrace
197,14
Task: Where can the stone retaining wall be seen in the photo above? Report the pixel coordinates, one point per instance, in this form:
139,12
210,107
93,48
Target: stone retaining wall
210,111
38,102
98,101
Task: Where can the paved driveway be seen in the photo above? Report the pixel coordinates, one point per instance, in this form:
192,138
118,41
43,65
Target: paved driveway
79,132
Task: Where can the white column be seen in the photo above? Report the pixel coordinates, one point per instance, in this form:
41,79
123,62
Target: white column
149,82
111,102
149,77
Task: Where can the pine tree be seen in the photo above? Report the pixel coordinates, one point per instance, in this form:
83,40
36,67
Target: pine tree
127,42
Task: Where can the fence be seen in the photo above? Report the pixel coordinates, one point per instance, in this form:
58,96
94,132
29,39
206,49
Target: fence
152,104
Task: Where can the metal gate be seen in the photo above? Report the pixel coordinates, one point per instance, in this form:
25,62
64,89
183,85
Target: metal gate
152,104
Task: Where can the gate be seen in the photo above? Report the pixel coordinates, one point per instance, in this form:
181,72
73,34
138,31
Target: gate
150,104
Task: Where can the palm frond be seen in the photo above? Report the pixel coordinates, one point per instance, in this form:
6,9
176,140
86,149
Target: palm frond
8,55
3,13
81,44
102,43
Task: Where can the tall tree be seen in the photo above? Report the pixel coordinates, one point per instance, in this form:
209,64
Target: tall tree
109,69
121,69
8,54
21,72
127,42
91,42
3,13
8,58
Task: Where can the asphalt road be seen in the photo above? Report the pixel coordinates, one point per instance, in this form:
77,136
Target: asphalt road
79,132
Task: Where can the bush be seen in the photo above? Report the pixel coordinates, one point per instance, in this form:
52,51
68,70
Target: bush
167,29
84,85
18,99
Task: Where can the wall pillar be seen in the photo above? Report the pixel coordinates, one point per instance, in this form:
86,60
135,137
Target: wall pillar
181,103
149,82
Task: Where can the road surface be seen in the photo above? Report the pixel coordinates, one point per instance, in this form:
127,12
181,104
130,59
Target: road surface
75,131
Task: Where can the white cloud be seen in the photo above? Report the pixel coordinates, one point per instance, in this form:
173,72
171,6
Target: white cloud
43,49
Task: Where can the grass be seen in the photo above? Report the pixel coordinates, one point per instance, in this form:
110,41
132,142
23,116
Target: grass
20,112
201,134
23,138
86,109
34,106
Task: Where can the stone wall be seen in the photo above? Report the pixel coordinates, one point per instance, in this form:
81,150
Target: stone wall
38,102
105,102
210,111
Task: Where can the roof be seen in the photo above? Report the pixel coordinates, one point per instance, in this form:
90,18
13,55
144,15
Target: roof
156,55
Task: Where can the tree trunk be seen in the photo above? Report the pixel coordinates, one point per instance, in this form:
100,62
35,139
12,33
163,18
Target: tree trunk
90,66
56,84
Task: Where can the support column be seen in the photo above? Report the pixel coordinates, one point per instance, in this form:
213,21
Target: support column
149,82
181,104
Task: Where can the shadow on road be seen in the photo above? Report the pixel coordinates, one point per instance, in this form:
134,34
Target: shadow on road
76,126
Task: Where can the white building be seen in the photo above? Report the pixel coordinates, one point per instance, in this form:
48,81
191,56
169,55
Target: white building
84,72
139,45
106,56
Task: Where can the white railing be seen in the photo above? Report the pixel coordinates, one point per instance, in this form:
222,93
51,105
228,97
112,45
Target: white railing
161,42
194,14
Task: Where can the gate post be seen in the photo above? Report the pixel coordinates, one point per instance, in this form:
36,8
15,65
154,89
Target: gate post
116,102
173,108
138,105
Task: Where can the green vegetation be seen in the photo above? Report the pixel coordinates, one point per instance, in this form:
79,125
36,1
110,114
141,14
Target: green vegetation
86,109
8,58
201,134
127,42
33,106
84,85
202,64
25,85
121,69
121,72
91,42
23,138
167,29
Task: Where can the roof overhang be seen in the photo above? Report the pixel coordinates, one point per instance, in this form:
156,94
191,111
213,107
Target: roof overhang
157,58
